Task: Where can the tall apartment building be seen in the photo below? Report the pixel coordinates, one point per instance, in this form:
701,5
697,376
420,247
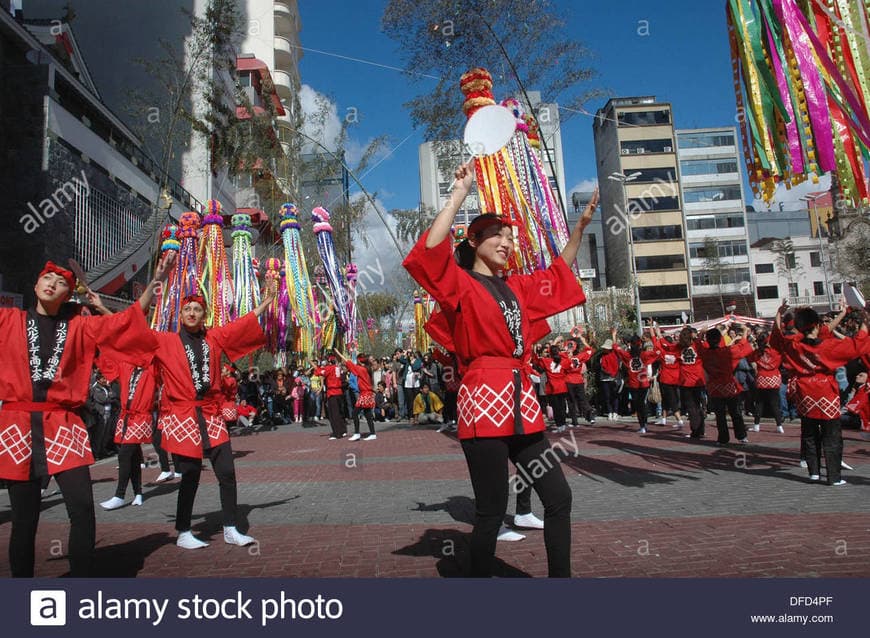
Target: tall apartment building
711,182
638,179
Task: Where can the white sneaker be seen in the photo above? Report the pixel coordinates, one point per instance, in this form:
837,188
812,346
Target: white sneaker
164,476
662,421
137,500
756,427
505,534
840,482
333,438
233,536
371,437
529,521
113,503
186,540
355,437
803,464
779,429
846,466
642,431
814,477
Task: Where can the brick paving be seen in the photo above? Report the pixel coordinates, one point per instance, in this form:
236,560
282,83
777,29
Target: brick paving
402,506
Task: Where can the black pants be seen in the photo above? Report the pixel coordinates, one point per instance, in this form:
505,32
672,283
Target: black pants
770,399
670,399
163,457
410,393
820,437
557,402
336,419
129,468
610,397
450,406
638,403
25,497
692,399
524,500
487,460
732,405
224,470
578,404
369,419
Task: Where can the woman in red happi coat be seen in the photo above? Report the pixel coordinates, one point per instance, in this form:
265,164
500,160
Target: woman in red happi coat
692,378
636,362
768,380
365,402
812,362
331,373
490,320
723,389
191,404
46,357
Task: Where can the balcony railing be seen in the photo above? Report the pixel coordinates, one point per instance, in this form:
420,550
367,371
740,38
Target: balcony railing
809,300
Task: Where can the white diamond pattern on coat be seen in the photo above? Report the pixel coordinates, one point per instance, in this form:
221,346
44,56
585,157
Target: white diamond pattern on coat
177,430
15,443
135,430
495,406
829,407
67,441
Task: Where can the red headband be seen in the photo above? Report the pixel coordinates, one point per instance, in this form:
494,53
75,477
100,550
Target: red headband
486,220
51,267
197,298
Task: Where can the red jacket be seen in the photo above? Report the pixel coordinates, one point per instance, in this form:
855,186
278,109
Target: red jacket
575,367
811,363
638,377
719,364
767,362
332,378
609,363
860,405
557,373
363,379
669,373
691,367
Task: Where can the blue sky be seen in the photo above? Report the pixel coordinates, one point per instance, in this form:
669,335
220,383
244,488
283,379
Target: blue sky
676,50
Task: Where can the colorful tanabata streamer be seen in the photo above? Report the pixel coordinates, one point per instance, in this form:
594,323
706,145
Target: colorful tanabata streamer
214,269
802,83
183,279
334,276
274,319
421,316
512,183
168,301
298,283
350,274
247,289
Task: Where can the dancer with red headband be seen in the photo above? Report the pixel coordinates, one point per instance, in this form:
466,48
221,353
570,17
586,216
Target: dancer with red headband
191,403
41,432
490,320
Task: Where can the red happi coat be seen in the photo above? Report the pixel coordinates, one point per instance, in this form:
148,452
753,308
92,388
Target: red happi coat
366,398
719,364
575,370
178,421
557,373
691,367
492,378
638,377
811,364
331,379
860,404
125,335
767,362
134,424
669,372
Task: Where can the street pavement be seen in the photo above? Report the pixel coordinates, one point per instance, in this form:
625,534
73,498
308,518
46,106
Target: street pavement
654,505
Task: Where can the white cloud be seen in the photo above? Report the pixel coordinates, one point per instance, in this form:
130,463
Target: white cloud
583,186
321,119
379,258
791,198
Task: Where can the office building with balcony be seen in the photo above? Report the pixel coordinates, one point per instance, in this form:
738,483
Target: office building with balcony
796,268
711,182
76,181
641,205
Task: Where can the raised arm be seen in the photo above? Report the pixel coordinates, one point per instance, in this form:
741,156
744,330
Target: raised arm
569,253
444,220
159,277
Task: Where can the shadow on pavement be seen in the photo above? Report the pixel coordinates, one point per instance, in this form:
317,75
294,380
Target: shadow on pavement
213,522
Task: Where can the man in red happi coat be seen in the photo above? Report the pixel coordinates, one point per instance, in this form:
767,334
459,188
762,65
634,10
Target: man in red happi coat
191,419
41,430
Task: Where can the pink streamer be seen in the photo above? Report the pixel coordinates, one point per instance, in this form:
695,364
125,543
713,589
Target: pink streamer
794,139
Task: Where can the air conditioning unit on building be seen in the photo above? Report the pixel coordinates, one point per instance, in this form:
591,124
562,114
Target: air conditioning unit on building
668,149
641,150
626,151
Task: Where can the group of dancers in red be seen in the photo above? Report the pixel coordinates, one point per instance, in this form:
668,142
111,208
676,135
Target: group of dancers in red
489,323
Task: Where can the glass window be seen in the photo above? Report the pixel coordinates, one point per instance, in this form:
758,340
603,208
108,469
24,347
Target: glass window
656,233
706,140
815,259
714,221
664,145
707,167
793,290
655,175
790,261
726,249
658,293
768,292
838,289
726,276
763,268
818,288
644,118
646,204
714,194
660,262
